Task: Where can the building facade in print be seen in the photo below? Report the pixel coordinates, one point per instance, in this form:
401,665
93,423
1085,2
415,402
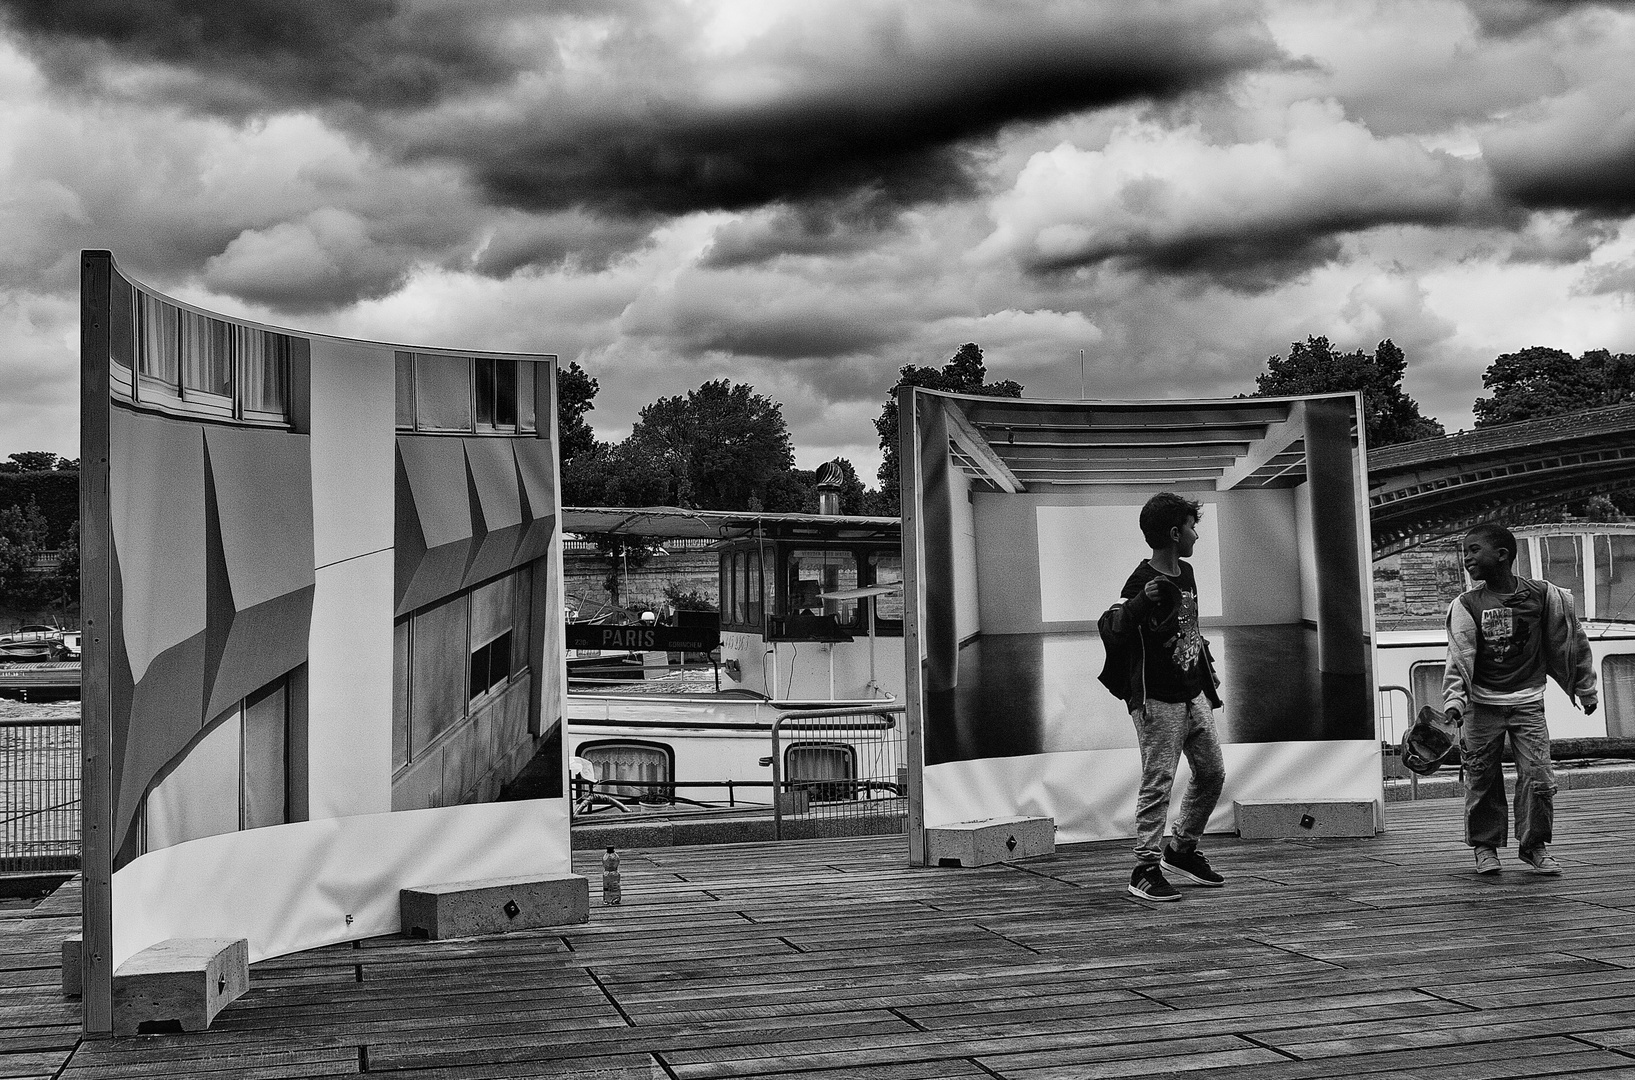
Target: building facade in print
321,572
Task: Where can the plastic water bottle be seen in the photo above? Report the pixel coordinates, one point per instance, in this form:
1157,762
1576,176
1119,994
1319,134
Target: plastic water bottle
610,878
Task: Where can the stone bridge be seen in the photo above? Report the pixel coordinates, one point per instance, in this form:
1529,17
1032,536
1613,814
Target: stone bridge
1422,491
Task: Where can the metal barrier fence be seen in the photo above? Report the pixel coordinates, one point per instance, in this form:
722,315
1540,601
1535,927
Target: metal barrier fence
1396,713
39,795
840,772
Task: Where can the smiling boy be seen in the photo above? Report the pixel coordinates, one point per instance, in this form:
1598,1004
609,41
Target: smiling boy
1505,637
1159,663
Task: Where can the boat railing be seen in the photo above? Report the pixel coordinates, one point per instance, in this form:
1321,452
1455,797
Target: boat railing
840,769
630,796
39,794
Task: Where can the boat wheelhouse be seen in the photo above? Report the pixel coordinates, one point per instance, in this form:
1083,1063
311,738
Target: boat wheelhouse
811,616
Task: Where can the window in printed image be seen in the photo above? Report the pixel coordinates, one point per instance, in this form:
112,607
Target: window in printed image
156,333
525,395
437,672
405,390
442,393
496,394
264,373
206,355
266,764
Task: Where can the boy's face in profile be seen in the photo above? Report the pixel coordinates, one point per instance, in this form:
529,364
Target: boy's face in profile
1186,537
1482,560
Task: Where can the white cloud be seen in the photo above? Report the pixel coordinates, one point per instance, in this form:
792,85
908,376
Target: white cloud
1160,196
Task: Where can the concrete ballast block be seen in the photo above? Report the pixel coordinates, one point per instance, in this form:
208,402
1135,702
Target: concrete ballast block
179,983
1269,820
990,840
461,909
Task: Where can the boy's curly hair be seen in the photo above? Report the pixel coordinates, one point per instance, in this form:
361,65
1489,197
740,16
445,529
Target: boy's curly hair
1497,535
1165,511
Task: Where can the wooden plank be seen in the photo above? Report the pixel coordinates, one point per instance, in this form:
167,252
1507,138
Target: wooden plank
819,959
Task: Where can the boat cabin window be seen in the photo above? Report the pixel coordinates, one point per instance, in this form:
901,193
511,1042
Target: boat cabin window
1562,559
1615,576
1425,684
886,568
1523,566
741,602
1618,694
631,769
808,574
824,770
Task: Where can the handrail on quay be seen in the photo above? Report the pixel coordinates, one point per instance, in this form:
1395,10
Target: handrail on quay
39,794
865,745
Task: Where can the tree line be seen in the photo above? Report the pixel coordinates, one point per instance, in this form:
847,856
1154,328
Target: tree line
725,447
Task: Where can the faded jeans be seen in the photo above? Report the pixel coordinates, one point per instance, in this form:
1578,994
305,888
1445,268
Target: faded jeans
1481,744
1166,730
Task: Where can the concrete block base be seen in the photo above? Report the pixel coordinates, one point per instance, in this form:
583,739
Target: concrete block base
1273,820
462,909
990,840
179,984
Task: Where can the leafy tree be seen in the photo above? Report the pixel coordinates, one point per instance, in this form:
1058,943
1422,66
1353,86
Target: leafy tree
611,474
65,580
575,395
1314,366
1538,382
683,599
963,373
22,535
31,461
719,448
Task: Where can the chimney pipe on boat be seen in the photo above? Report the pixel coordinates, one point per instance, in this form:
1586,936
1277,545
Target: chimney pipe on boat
829,482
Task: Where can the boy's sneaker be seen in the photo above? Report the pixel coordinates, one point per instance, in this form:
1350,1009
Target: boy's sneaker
1147,883
1487,860
1541,861
1194,867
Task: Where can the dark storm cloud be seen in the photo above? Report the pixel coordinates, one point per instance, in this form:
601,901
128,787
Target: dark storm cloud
888,106
1240,263
1510,18
896,126
824,229
1599,179
256,56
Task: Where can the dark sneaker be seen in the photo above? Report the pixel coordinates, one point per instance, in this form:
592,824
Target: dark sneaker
1541,861
1193,866
1148,883
1487,860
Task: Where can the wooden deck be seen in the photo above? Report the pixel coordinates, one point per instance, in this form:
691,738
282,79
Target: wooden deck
1384,958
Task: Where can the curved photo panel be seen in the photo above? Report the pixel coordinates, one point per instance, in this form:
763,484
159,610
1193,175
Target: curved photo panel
1023,518
318,579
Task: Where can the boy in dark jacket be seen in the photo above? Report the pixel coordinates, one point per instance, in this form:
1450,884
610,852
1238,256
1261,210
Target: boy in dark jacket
1159,663
1505,637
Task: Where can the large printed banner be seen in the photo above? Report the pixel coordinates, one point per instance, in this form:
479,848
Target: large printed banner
319,578
1023,518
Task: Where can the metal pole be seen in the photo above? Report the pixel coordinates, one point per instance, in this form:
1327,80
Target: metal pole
777,784
1081,374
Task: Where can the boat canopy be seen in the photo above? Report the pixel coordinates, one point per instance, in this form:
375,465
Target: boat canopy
664,522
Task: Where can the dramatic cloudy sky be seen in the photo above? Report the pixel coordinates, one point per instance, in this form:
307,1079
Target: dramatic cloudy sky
806,196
